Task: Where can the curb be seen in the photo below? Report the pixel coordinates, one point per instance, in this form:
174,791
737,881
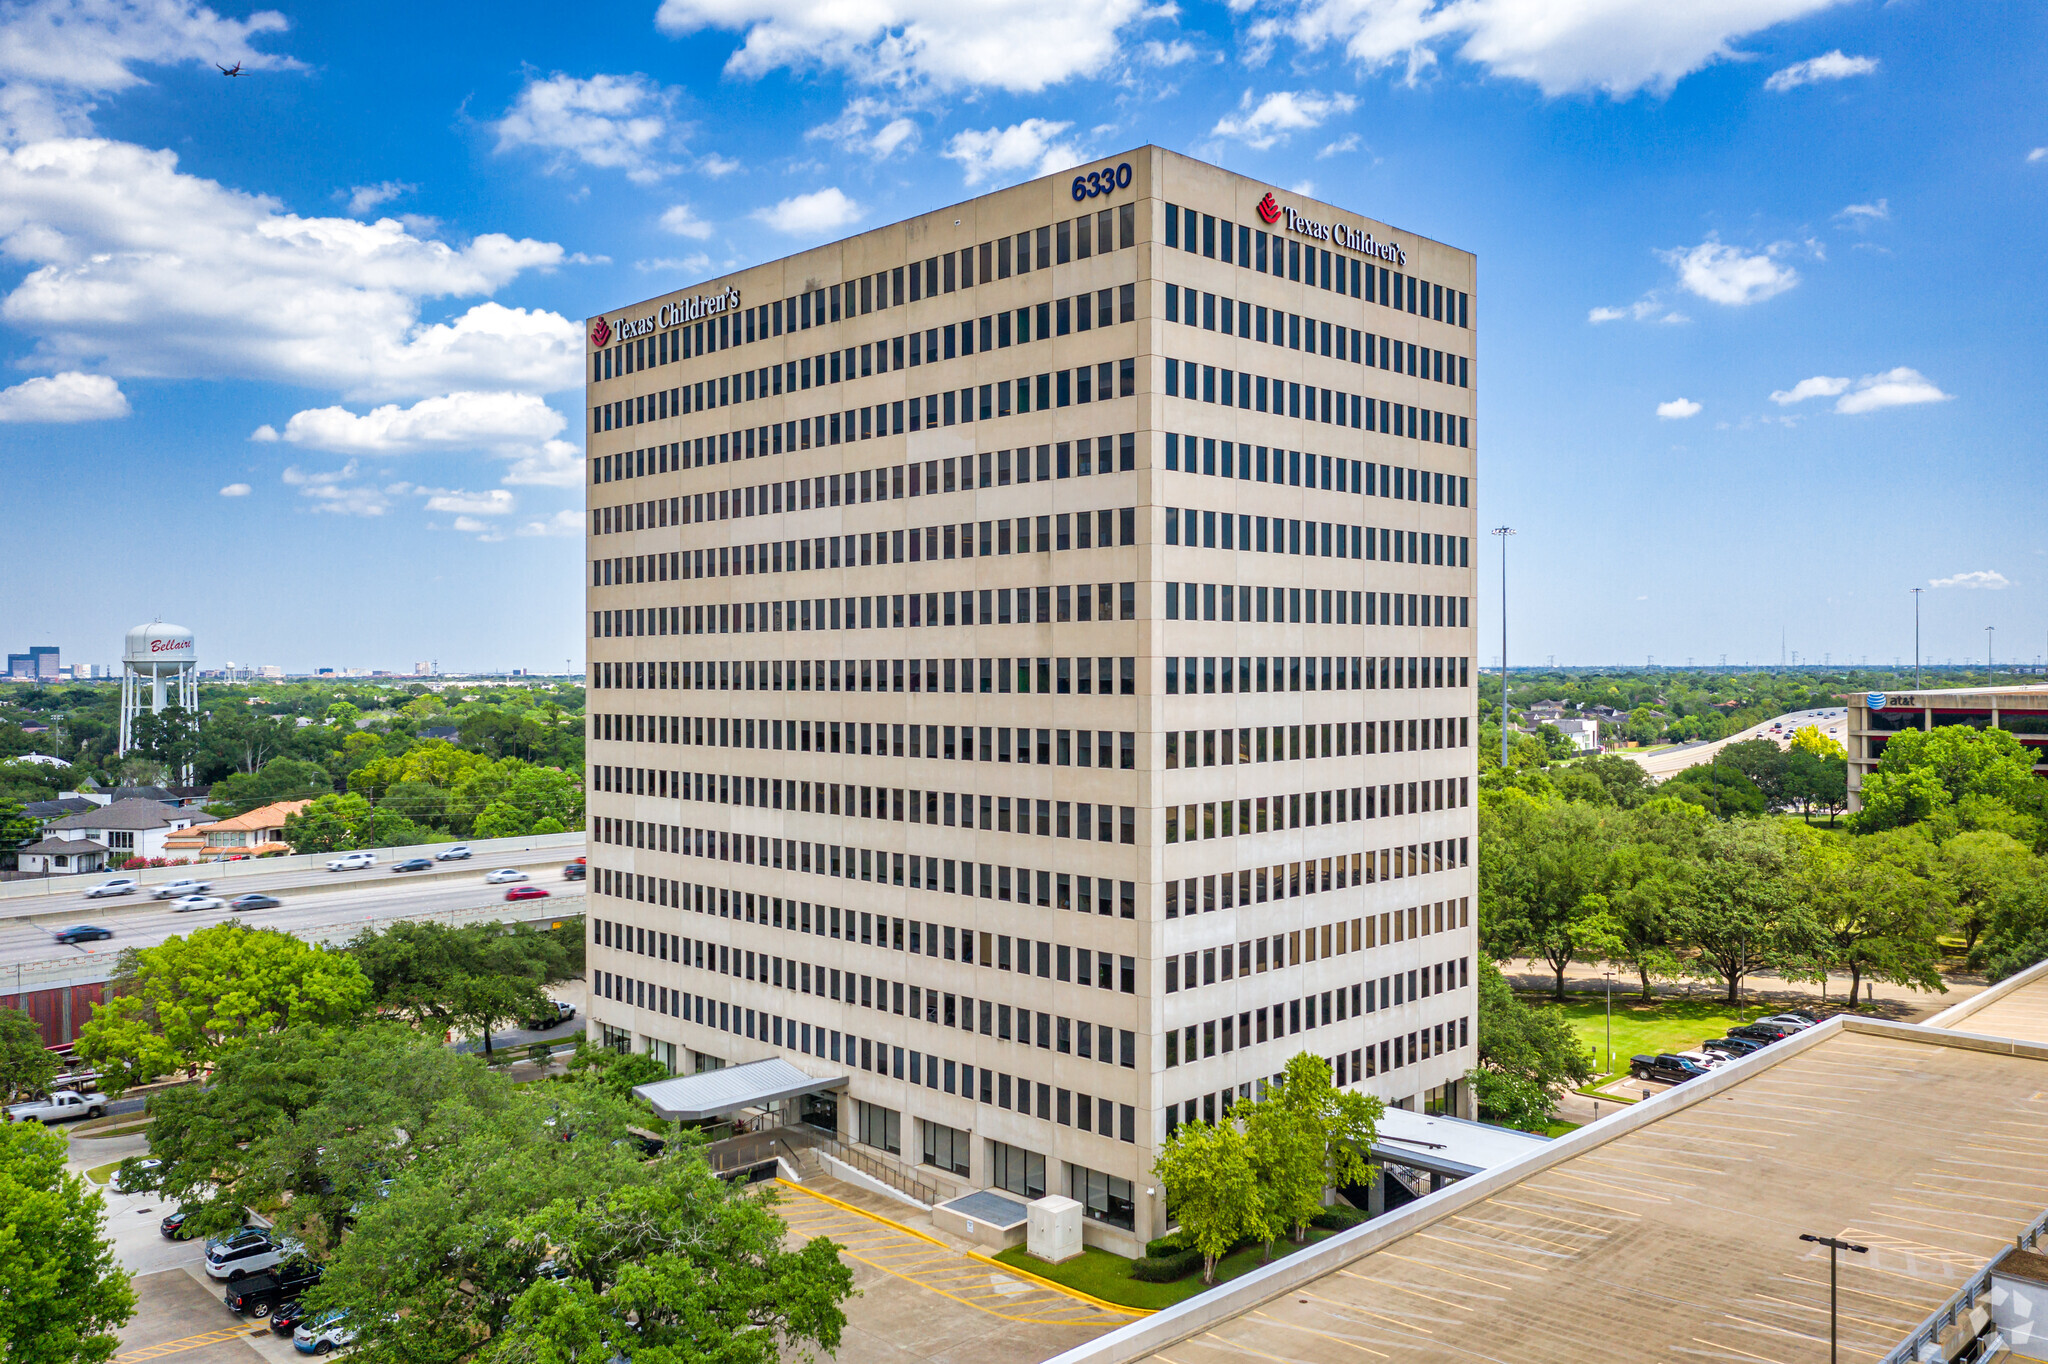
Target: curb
1075,1293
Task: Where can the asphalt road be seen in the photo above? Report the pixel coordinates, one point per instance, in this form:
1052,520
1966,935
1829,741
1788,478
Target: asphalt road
334,906
1666,762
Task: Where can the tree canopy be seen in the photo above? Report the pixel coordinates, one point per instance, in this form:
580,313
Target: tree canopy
65,1295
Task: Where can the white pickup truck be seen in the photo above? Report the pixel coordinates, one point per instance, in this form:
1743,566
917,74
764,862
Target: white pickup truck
178,889
62,1106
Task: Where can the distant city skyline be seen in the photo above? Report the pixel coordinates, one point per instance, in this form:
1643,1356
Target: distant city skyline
1756,349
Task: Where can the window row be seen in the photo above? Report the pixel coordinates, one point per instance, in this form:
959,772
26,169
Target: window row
1361,1064
1210,384
1238,244
1192,970
1201,747
1295,332
1247,463
1201,820
1245,605
1242,532
1044,605
1069,239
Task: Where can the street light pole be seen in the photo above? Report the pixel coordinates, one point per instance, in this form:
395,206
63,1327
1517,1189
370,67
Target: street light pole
1835,1246
1503,532
1989,637
1916,635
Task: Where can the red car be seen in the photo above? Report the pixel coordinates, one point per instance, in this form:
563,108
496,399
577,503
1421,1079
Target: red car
526,893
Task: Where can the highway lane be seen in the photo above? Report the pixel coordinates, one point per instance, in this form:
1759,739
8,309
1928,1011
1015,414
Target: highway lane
1832,722
68,892
330,911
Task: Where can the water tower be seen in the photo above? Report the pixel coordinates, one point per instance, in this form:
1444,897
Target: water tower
160,660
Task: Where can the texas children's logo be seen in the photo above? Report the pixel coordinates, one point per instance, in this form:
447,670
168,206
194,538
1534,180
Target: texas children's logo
600,333
1269,209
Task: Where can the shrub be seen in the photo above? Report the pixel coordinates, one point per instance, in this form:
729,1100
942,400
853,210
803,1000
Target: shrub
1166,1268
1171,1243
539,1052
1338,1217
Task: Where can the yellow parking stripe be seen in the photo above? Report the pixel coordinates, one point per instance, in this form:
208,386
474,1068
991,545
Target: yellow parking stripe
172,1347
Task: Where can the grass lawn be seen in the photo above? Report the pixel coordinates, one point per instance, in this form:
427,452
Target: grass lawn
1667,1025
1108,1277
100,1174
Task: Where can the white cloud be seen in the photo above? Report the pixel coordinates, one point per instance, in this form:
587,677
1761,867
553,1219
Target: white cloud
1725,274
363,198
1899,387
809,215
67,397
1280,113
148,272
1346,143
896,133
716,166
57,56
1986,579
513,426
496,502
334,492
2038,154
1618,46
1156,53
1678,409
562,523
941,44
610,122
854,129
235,490
1829,66
1022,151
1860,216
1819,386
1305,188
1648,308
684,222
696,263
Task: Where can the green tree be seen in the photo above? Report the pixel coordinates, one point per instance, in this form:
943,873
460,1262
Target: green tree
476,977
1307,1135
1741,916
1208,1176
1880,906
64,1294
26,1065
279,779
1956,776
1720,789
188,1001
333,823
1540,868
1983,868
1528,1056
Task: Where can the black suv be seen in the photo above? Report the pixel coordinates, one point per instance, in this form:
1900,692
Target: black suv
1764,1032
1735,1048
1666,1067
257,1294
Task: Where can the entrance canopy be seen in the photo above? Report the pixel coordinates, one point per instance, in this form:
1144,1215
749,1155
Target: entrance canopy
1448,1146
716,1093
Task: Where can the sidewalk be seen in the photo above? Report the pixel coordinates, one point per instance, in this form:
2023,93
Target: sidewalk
1763,992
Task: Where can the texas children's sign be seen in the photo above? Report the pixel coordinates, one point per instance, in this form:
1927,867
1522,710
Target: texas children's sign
603,331
1337,234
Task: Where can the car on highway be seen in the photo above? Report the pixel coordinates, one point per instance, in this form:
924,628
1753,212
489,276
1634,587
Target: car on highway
526,893
78,933
575,871
352,861
119,885
328,1331
458,853
258,1295
1666,1066
185,904
498,876
414,864
255,899
248,1251
178,889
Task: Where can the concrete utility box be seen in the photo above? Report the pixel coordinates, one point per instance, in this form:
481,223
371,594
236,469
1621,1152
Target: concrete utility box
1055,1230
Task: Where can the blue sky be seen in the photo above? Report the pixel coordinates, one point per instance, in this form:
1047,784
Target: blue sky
293,359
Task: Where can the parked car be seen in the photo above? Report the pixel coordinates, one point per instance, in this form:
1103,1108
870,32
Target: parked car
180,888
526,893
562,1013
78,933
138,1174
352,861
1666,1066
173,1225
255,899
119,885
458,853
288,1317
497,876
328,1331
1764,1032
1734,1048
258,1295
62,1106
414,864
186,904
248,1251
575,871
1797,1022
1700,1056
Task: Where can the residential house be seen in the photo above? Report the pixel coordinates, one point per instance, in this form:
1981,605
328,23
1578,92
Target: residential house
255,834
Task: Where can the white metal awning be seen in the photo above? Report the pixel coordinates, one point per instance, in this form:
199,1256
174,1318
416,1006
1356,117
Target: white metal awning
715,1093
1449,1146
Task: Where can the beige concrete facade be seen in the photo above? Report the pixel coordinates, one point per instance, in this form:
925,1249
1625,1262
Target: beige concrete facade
2023,710
823,705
